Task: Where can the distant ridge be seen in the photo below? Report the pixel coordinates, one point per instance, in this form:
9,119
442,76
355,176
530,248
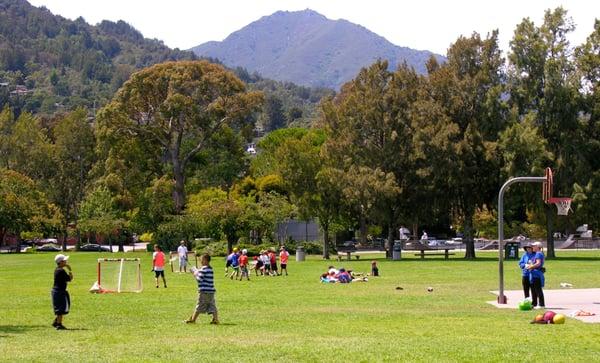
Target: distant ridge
306,48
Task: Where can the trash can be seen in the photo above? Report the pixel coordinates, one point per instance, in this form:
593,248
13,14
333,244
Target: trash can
150,247
300,253
397,251
511,251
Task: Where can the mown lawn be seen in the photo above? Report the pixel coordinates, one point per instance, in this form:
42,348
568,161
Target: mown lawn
295,318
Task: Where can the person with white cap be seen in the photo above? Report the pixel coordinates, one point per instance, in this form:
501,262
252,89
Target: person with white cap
536,277
61,301
182,251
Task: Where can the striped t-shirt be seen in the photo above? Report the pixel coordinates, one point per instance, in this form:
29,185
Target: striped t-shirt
205,279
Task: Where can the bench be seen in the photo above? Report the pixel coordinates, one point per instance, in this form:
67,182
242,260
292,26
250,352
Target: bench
356,253
435,252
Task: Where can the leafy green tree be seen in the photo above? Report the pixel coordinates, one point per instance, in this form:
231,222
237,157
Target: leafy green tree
274,117
179,106
99,214
73,155
23,207
468,87
370,125
543,82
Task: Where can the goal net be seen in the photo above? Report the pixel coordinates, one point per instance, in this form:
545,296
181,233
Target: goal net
118,275
192,261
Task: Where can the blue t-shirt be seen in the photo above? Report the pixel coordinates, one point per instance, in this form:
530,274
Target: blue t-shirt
235,260
537,273
525,259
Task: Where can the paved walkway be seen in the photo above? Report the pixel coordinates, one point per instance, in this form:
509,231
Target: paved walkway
565,301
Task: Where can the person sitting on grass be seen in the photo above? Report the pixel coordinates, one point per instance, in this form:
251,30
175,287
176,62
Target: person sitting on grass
61,300
374,268
206,291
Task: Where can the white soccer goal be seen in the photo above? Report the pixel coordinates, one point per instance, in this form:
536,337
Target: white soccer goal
118,275
192,261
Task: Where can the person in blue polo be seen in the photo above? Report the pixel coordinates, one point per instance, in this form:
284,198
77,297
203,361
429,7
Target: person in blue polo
536,277
527,256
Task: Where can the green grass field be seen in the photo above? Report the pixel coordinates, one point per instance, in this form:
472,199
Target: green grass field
295,318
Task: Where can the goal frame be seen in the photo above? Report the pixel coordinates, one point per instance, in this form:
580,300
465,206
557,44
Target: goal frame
138,268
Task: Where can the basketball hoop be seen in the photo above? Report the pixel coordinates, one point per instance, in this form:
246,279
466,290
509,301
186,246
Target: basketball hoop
563,205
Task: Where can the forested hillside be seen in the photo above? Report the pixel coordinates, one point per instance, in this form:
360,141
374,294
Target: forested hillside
49,63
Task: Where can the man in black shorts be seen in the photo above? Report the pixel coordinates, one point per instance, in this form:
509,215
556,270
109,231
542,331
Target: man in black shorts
61,300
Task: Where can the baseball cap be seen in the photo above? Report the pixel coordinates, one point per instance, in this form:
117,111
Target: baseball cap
536,244
244,251
60,258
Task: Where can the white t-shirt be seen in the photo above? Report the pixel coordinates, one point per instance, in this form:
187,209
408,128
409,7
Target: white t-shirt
265,259
182,251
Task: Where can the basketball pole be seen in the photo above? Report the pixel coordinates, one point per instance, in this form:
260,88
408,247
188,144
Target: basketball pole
524,179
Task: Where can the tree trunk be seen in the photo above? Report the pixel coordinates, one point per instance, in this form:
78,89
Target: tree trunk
550,253
121,248
326,241
230,242
18,250
363,229
469,242
179,190
66,226
390,243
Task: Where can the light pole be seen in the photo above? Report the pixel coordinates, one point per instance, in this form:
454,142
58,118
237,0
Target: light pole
509,182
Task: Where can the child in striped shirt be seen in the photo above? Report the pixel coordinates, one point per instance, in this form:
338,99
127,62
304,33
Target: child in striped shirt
206,291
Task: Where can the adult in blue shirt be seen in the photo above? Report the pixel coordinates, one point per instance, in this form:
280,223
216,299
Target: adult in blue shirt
536,277
527,256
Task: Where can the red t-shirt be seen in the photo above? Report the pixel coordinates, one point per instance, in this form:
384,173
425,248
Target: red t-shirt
272,258
243,261
283,256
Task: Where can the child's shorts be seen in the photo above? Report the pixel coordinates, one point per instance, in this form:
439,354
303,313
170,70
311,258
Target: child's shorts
61,301
206,303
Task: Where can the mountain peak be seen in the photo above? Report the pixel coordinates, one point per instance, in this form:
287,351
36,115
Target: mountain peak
307,48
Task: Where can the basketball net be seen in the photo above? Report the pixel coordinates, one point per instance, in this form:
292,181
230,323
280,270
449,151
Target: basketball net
563,205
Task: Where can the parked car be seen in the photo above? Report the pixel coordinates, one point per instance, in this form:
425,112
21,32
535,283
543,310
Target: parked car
92,247
43,241
49,247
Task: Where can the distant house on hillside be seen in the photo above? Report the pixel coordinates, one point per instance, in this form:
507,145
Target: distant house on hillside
20,90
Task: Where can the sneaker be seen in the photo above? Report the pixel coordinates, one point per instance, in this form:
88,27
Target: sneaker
60,327
54,323
188,321
215,322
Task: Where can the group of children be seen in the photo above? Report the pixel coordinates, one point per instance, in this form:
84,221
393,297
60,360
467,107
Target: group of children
264,264
344,276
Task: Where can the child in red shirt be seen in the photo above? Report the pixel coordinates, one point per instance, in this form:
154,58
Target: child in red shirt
283,259
244,265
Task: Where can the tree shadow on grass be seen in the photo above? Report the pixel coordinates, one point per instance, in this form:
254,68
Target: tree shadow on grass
20,329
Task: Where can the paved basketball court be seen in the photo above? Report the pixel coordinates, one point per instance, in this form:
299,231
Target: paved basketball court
565,301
